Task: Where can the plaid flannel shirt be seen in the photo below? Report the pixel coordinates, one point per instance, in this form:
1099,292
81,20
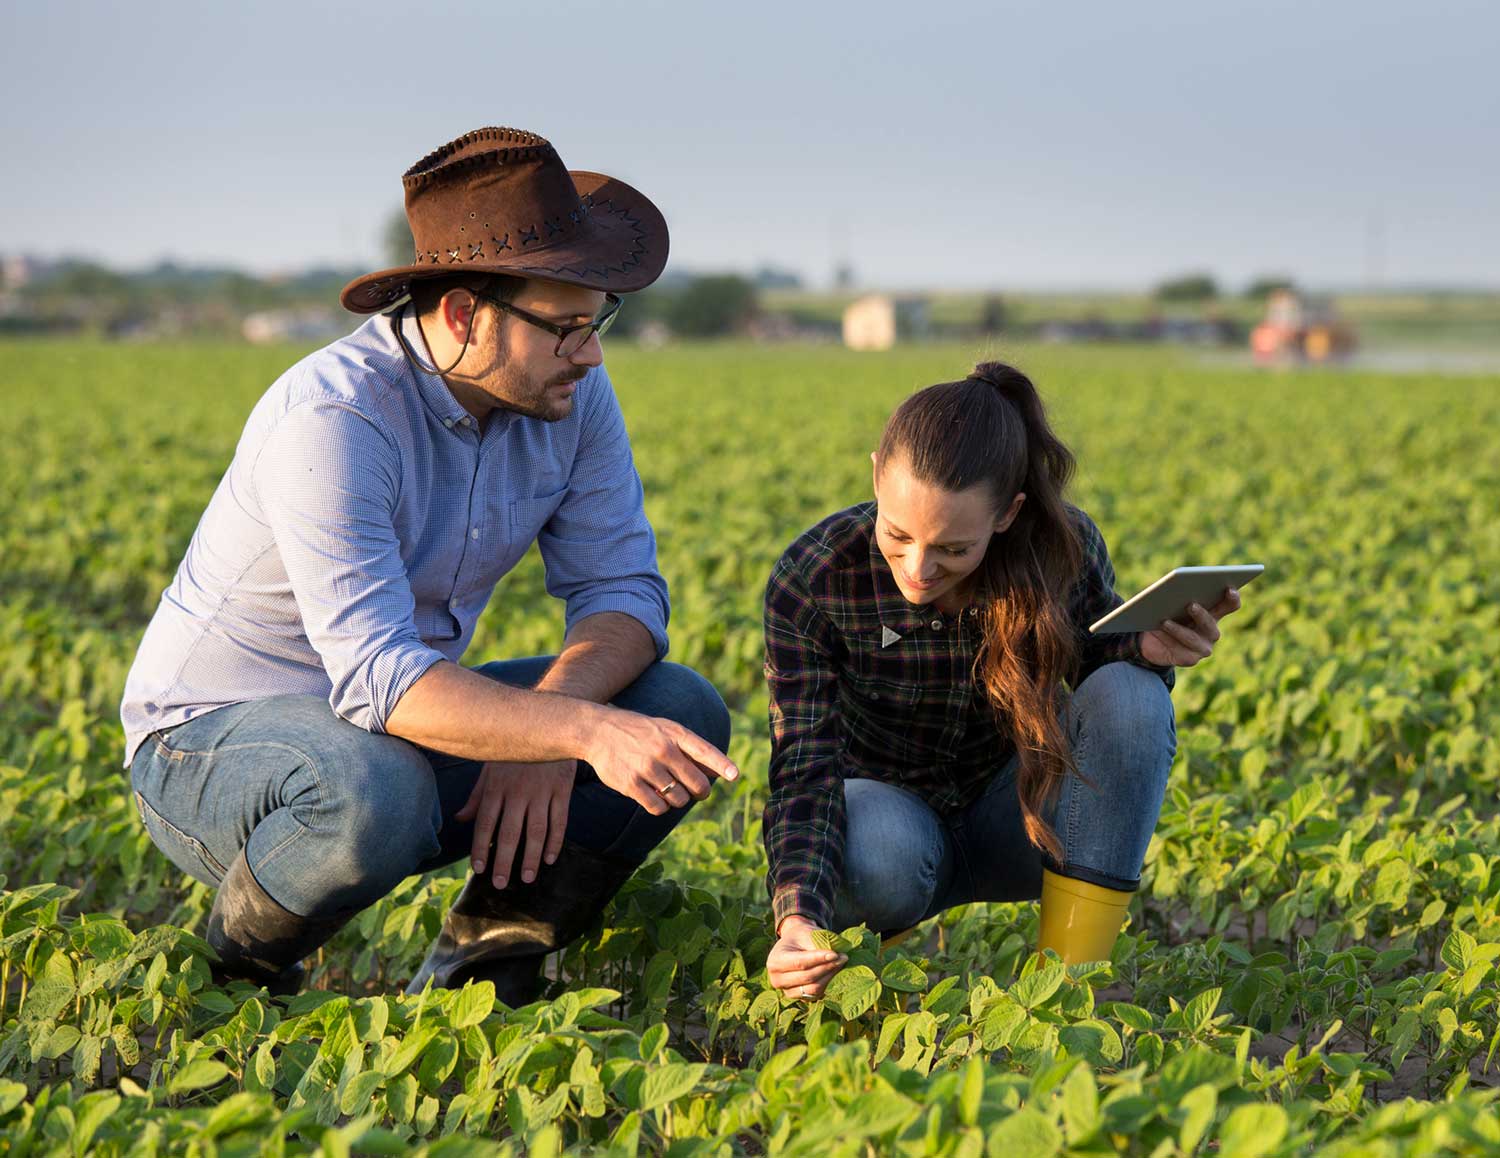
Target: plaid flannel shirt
865,685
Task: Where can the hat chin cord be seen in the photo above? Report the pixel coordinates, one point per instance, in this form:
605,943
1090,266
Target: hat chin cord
411,354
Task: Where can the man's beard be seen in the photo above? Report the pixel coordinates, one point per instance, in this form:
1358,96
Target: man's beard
531,401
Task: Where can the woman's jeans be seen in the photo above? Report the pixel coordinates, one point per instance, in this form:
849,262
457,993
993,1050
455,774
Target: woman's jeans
904,863
332,817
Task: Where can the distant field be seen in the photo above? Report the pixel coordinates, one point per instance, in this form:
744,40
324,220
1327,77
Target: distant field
1313,961
1458,319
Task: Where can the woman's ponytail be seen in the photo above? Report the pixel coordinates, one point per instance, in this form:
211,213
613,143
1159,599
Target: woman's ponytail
992,428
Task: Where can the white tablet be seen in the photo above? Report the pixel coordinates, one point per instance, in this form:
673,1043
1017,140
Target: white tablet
1169,597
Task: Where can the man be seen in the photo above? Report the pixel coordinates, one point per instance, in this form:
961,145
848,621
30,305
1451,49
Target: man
299,731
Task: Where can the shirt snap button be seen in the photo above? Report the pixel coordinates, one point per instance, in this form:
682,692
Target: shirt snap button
473,532
937,625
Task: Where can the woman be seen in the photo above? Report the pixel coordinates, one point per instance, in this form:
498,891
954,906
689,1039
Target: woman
944,729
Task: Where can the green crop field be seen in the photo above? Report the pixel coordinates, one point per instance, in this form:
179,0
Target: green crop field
1312,964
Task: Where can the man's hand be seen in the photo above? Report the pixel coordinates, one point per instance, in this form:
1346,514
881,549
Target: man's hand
657,763
796,964
1184,644
513,796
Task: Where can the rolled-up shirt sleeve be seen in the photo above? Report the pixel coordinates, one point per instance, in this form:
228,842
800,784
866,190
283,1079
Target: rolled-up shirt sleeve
1093,597
598,548
327,480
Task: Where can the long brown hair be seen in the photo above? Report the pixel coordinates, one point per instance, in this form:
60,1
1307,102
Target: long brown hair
992,428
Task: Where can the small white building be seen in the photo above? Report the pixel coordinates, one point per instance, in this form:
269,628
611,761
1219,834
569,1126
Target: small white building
878,321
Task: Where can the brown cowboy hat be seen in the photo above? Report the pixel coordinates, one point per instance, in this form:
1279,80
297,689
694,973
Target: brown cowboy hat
500,201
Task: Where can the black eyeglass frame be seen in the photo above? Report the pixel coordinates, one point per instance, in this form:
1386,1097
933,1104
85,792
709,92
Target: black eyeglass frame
612,304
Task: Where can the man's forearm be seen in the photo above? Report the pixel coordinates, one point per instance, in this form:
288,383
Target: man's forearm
601,656
451,709
454,710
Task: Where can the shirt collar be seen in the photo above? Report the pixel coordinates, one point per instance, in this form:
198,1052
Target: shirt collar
432,389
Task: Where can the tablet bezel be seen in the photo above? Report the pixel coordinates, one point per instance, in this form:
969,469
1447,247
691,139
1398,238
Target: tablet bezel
1170,595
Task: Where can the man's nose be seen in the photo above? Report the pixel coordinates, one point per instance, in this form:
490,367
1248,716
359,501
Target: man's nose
591,353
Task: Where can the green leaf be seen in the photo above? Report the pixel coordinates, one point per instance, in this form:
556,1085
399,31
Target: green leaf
1200,1010
668,1083
875,1113
853,990
1195,1067
47,999
660,972
1458,950
890,1030
653,1041
1024,1134
904,975
260,1074
401,1097
1080,1106
472,1004
409,1050
86,1059
1034,990
1093,1039
360,1090
1130,1016
92,1112
1251,1131
197,1075
59,1041
1197,1106
437,1063
12,1094
971,1091
1000,1024
1392,884
216,1001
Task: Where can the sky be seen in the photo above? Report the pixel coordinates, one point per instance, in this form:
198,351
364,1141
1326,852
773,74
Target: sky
1060,145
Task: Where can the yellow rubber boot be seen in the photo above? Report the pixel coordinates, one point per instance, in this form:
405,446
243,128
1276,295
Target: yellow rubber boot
1080,921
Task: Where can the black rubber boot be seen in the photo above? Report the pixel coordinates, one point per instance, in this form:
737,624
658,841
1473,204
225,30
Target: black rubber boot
503,935
256,939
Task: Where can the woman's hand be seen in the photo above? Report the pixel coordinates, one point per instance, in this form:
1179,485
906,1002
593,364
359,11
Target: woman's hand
1184,644
796,965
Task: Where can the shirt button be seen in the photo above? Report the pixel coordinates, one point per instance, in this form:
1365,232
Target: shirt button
937,625
448,422
473,532
874,695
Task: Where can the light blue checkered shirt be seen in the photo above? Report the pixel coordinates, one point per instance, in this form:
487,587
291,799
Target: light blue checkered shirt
362,526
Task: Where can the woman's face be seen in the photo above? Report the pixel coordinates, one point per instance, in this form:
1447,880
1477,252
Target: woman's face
934,539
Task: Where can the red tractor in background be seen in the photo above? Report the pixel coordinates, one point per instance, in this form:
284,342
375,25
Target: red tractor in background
1298,329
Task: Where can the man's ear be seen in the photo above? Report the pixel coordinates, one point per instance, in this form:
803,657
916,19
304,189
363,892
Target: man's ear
1004,521
457,313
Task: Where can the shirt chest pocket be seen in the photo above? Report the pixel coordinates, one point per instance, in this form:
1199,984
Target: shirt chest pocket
882,715
435,624
525,520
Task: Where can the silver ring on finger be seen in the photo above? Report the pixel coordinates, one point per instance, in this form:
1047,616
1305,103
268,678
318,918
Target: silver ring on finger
665,788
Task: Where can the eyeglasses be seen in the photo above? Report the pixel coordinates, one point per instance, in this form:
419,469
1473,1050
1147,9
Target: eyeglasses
570,339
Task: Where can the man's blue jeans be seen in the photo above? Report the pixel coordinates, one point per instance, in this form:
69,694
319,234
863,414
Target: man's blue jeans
904,863
332,817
